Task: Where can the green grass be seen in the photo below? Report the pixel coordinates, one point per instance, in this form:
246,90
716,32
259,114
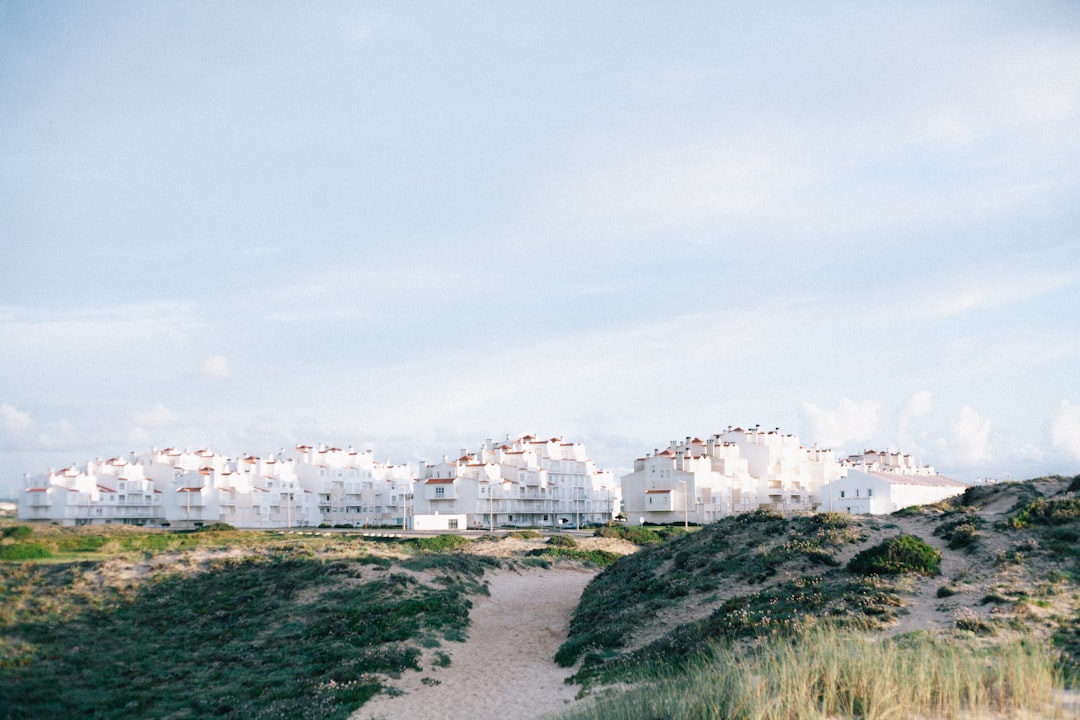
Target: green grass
826,673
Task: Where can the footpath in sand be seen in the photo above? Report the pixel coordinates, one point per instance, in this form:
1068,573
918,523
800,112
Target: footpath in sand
505,668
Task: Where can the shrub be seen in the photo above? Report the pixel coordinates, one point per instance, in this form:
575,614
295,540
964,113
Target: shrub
946,591
901,554
963,536
562,541
603,558
18,532
216,527
525,534
441,543
24,551
635,534
1047,512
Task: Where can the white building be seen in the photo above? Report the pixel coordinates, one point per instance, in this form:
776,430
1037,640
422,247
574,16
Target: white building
189,489
878,483
352,488
732,472
528,482
114,491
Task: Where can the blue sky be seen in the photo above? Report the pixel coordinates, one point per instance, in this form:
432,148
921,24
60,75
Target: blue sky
413,226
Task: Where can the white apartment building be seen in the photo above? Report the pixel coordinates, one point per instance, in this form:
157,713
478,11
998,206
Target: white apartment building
352,488
113,491
189,489
732,472
527,482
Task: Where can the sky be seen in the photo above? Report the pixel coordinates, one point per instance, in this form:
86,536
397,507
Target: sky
413,226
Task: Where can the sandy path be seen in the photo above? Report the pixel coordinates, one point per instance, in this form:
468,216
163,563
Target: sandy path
505,669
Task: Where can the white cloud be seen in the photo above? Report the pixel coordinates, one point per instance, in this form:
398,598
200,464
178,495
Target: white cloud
215,366
917,406
851,422
158,416
970,440
995,287
13,420
1065,429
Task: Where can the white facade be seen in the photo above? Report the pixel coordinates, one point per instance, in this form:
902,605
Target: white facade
190,489
114,491
352,488
528,482
732,472
879,483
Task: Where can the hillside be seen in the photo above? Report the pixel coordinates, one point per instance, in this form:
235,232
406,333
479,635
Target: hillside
1009,565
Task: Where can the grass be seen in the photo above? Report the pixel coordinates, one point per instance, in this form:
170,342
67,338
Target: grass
829,673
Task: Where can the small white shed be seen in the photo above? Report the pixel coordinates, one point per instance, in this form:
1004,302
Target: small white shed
439,522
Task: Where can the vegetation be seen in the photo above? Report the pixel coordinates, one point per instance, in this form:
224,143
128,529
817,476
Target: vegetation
278,632
901,554
751,549
639,534
839,674
602,558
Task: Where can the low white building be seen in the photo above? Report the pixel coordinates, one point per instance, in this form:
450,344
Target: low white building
448,523
879,483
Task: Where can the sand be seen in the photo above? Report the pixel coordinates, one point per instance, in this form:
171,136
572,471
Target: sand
505,669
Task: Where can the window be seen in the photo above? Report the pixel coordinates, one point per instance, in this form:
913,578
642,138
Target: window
842,494
440,492
869,492
451,524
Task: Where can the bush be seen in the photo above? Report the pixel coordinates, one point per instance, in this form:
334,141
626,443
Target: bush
216,527
635,534
963,536
24,551
901,554
440,543
562,541
1047,512
18,532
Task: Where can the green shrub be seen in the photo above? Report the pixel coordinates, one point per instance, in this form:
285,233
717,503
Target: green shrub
1047,512
566,541
216,527
963,536
18,532
1074,486
901,554
761,515
603,558
24,551
440,543
636,534
525,534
